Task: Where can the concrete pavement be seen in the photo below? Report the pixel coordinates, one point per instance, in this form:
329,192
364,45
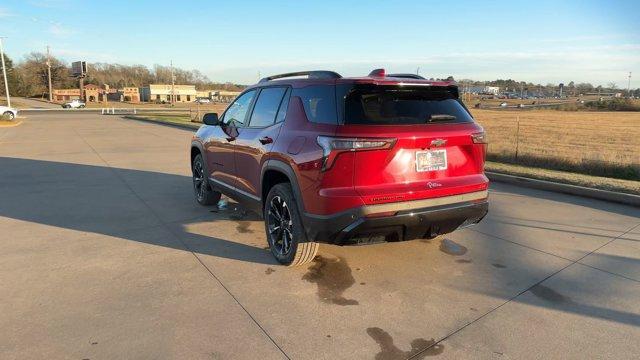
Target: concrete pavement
105,254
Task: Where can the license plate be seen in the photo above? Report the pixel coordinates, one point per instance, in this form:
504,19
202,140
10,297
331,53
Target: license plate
431,160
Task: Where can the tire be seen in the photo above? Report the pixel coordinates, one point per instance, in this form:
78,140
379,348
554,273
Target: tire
280,208
203,192
9,115
81,106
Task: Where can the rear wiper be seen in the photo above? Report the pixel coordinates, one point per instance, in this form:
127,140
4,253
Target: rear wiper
441,117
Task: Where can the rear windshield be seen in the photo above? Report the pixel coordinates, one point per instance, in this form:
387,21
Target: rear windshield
401,105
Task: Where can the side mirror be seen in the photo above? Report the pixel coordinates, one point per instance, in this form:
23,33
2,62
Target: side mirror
211,119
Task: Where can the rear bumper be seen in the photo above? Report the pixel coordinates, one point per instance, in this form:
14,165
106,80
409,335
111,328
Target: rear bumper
398,221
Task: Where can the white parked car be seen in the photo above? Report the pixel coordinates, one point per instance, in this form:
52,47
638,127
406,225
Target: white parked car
74,104
8,113
203,101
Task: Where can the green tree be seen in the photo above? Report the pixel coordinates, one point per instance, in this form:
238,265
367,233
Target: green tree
12,77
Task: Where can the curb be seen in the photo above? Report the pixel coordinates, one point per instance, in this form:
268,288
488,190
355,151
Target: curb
11,125
195,126
612,196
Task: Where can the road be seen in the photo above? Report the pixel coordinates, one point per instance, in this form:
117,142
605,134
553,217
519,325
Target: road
104,254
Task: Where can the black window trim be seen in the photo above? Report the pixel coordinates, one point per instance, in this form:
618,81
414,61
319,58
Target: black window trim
287,88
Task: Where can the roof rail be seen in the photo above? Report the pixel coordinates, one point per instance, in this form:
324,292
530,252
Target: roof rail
316,74
407,76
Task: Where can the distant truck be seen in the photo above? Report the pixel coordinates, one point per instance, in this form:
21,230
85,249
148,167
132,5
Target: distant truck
74,104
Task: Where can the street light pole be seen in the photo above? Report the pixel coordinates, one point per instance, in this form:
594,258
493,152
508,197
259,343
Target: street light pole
4,73
49,74
629,86
172,85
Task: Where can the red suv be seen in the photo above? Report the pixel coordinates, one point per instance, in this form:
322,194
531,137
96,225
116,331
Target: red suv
345,160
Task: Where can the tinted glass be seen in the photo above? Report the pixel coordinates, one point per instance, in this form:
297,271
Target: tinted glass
282,113
266,108
394,105
236,113
319,103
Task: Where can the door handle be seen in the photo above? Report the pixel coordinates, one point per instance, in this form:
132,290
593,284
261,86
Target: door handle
230,139
266,140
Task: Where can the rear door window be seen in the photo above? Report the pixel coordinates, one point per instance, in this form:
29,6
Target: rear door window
319,103
402,105
282,113
266,108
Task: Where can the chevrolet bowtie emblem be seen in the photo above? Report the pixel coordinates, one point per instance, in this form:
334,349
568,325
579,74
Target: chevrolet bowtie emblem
438,142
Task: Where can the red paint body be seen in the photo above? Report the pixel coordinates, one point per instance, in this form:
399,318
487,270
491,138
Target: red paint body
355,178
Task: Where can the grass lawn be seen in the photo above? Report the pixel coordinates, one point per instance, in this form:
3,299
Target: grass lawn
597,182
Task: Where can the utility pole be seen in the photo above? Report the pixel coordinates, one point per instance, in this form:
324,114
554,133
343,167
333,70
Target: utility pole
418,71
629,86
172,84
4,73
49,74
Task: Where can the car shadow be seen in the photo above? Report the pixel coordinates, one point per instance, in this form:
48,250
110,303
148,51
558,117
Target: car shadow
127,203
124,203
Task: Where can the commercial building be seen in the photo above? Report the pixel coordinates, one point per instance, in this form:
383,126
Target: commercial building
130,94
203,94
484,90
163,93
224,95
93,93
66,94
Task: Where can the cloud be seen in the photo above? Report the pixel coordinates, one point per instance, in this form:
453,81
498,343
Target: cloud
4,13
50,4
59,30
89,56
596,64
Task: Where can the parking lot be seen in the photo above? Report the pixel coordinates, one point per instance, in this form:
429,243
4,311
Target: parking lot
105,254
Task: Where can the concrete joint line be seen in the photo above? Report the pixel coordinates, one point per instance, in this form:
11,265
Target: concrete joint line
177,237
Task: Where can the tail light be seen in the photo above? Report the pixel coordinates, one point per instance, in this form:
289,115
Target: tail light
333,146
479,138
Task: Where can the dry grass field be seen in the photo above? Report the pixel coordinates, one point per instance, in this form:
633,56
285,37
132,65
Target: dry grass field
598,143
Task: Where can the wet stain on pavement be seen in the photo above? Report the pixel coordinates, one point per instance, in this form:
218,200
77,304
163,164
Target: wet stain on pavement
243,227
498,265
269,271
363,283
420,348
464,261
333,277
243,218
450,247
548,294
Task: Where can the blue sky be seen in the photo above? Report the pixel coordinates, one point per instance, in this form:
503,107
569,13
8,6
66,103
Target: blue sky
539,41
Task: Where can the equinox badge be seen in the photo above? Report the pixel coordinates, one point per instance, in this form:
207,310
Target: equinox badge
438,142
